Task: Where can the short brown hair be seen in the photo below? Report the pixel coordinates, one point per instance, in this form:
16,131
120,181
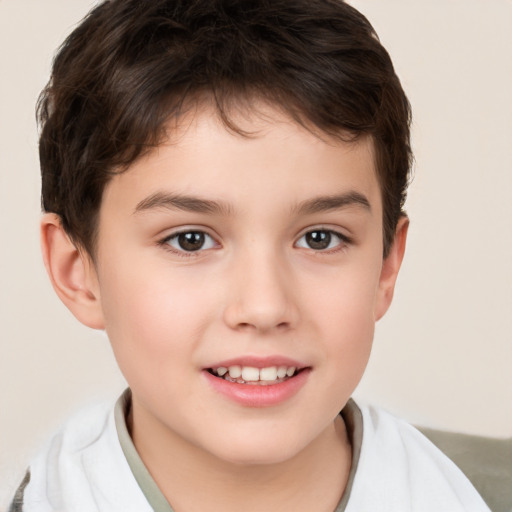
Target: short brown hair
131,65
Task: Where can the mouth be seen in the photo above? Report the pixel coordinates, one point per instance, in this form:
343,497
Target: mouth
254,376
258,382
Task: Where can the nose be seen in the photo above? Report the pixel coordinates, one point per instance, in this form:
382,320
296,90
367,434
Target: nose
261,295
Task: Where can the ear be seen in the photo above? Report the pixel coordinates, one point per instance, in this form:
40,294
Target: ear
390,268
71,272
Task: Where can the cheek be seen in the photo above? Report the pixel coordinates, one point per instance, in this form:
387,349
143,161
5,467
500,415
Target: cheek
343,309
349,330
152,318
345,296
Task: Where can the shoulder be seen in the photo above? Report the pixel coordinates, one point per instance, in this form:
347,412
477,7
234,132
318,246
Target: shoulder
402,466
82,468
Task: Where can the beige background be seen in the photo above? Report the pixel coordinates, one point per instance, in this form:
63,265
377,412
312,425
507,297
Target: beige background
442,356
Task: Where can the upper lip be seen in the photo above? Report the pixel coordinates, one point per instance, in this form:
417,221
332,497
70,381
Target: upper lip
259,362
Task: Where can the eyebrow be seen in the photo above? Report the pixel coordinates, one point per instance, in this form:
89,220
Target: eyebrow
334,202
186,203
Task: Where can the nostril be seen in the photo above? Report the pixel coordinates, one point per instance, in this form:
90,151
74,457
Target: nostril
261,314
244,326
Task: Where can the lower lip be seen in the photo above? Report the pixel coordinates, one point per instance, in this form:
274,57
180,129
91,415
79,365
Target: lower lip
254,395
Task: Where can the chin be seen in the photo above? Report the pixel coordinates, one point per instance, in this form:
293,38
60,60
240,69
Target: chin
256,458
257,452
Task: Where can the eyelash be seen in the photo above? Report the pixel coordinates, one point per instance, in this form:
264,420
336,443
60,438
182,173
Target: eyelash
165,243
343,241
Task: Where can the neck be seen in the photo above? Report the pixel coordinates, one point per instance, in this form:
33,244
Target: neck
193,480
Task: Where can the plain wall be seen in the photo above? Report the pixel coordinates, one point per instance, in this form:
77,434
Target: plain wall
442,355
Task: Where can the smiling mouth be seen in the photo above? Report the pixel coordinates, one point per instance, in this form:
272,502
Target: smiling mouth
256,376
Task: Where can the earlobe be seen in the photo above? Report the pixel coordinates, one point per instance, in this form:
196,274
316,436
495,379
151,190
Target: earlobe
71,272
390,267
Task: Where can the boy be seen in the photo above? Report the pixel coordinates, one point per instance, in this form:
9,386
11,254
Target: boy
224,185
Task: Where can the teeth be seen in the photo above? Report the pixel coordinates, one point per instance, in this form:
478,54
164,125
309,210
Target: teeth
243,374
235,372
281,372
250,374
268,373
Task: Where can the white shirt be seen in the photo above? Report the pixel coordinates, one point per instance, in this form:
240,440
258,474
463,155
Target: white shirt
86,468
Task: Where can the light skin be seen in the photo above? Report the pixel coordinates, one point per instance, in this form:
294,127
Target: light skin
287,263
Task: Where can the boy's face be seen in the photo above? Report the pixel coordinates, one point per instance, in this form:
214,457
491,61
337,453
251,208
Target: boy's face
222,251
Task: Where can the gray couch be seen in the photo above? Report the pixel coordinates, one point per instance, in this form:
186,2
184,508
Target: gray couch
487,462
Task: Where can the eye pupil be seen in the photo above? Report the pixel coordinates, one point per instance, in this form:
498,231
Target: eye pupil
318,239
191,241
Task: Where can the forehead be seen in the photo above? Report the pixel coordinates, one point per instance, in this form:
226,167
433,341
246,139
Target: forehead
274,158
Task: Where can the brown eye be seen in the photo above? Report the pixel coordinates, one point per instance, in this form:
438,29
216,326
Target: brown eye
190,241
321,239
318,240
